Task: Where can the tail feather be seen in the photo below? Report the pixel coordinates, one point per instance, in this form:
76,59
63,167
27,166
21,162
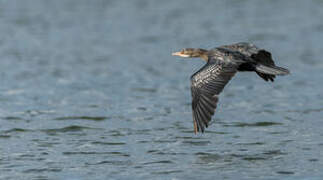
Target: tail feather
271,70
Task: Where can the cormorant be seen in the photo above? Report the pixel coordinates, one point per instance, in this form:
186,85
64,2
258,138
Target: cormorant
221,65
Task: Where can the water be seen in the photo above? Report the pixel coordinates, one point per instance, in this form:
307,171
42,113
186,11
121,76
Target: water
89,90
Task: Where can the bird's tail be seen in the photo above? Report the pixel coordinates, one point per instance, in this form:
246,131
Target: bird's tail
271,70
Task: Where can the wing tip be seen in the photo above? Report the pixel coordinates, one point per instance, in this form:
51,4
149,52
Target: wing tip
195,127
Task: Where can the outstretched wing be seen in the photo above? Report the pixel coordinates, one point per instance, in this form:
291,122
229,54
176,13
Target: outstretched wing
259,55
206,85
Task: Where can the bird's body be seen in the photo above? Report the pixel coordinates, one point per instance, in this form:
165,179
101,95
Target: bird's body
222,63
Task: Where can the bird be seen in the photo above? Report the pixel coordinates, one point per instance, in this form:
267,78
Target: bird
222,63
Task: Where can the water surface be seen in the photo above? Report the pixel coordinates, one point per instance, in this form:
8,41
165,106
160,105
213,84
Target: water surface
89,90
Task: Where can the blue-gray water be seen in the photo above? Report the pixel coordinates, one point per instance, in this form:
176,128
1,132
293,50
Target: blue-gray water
89,90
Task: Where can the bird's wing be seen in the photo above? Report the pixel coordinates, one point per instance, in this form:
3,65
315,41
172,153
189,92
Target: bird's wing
248,49
259,55
206,85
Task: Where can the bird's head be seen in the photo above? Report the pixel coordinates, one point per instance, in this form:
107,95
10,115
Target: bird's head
191,53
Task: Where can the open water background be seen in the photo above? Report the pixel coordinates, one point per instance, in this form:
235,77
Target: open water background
89,90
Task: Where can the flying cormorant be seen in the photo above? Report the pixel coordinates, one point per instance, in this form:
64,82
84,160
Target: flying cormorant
221,65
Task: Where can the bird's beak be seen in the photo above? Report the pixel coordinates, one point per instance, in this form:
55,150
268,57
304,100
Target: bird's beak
179,54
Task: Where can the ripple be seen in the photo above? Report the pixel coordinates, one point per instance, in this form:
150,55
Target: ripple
33,113
252,144
4,136
118,163
160,152
250,157
141,108
188,131
16,130
109,143
150,90
69,153
197,143
254,158
167,172
313,160
257,124
217,132
187,137
116,133
40,170
91,118
206,131
259,157
212,158
10,118
307,111
285,172
274,152
265,111
142,131
164,141
208,157
41,178
26,155
45,144
159,162
72,128
278,132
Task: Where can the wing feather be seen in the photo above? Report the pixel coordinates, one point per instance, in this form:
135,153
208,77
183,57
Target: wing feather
206,85
203,116
209,108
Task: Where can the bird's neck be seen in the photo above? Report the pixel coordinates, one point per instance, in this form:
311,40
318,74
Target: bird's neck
203,54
